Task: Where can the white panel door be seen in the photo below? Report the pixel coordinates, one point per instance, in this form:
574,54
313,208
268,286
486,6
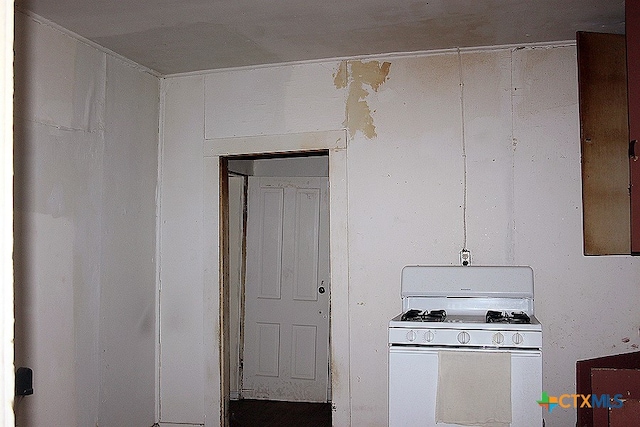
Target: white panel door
286,338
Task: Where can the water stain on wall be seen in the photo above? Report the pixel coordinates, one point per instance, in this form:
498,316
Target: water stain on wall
359,76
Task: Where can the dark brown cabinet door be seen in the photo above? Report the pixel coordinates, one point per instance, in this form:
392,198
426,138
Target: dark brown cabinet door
604,143
632,24
627,416
621,382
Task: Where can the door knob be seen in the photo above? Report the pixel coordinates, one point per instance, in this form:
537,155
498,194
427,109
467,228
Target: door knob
321,289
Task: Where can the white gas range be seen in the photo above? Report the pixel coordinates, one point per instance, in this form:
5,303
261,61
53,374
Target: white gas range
469,336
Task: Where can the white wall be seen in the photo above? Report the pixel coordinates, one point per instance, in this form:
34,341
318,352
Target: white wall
7,377
407,190
128,248
86,132
182,329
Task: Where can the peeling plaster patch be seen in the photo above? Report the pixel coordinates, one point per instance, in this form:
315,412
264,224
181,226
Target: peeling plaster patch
371,73
340,76
356,75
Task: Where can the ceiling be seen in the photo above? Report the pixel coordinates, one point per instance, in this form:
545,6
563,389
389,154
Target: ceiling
176,36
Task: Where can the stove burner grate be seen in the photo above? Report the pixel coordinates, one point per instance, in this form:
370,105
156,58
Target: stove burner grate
424,316
504,317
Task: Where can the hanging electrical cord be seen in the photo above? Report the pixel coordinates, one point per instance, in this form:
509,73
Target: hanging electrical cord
464,161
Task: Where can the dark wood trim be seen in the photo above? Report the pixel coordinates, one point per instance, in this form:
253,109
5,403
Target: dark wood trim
225,389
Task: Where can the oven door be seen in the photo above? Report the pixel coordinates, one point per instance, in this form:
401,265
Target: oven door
413,385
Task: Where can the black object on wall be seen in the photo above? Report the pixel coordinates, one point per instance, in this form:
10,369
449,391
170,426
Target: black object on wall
24,382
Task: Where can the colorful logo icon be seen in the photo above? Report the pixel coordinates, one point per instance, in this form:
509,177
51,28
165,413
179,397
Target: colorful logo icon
549,401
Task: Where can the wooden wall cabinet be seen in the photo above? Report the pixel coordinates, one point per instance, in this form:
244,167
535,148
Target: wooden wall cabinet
609,98
609,375
604,143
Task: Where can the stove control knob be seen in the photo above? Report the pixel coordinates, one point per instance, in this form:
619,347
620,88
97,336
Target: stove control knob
428,336
498,338
411,336
464,338
517,338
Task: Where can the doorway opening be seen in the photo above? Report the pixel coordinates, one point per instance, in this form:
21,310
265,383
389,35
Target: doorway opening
275,286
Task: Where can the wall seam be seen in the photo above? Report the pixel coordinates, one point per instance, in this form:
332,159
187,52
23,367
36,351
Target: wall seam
103,131
161,120
347,276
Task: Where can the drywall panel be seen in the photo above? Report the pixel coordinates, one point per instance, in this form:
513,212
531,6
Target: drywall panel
488,150
182,375
7,389
572,291
69,246
405,207
58,180
61,80
45,327
128,273
273,100
58,176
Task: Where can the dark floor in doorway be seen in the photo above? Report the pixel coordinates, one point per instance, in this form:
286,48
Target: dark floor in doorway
269,413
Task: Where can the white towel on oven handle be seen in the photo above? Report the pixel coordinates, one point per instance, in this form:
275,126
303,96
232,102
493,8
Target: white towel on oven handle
474,388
